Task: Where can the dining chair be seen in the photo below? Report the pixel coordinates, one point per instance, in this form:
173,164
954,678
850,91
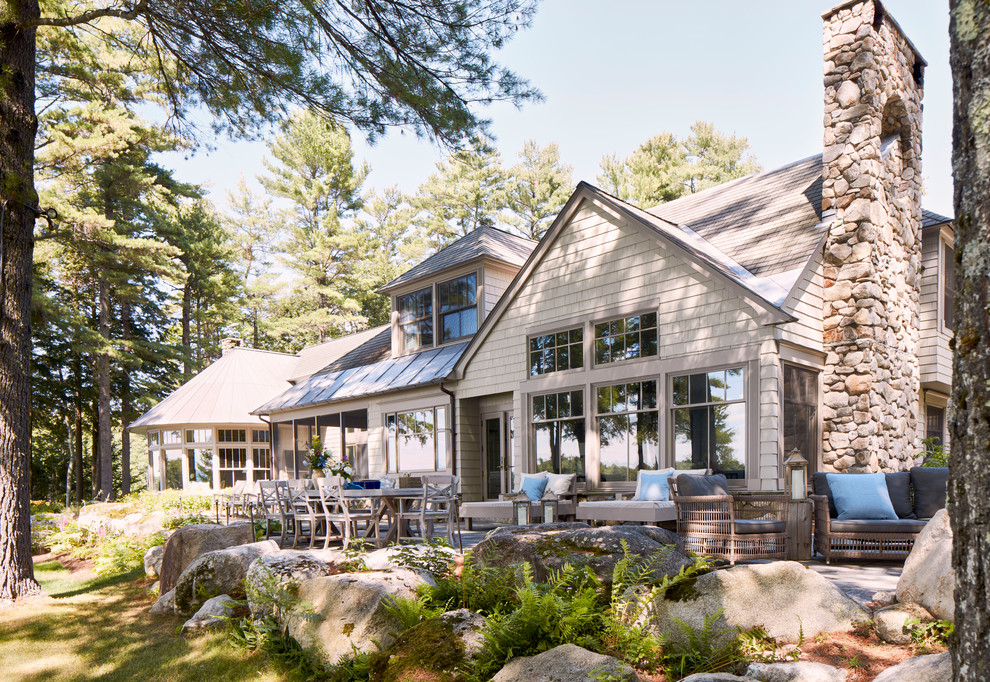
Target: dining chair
347,512
273,496
438,503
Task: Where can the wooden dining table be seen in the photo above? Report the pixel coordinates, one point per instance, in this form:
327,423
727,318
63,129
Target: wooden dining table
386,505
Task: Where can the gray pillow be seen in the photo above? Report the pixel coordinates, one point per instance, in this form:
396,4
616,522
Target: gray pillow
696,486
929,490
899,489
820,483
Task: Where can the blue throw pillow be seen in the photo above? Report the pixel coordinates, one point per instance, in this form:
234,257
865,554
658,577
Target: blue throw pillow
533,487
654,485
861,496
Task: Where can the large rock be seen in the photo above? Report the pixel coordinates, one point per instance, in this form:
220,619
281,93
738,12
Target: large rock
270,574
114,518
931,668
440,649
213,612
547,547
165,606
716,677
783,597
153,561
928,578
799,671
214,573
890,622
565,663
190,542
350,611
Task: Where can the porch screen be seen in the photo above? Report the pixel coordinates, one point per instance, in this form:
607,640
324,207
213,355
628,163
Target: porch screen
709,416
558,433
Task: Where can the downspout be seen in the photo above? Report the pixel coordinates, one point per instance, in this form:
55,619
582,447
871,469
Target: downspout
453,429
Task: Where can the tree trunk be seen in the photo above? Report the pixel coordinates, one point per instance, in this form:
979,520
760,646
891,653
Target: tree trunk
18,125
125,405
95,448
78,454
103,384
186,314
969,471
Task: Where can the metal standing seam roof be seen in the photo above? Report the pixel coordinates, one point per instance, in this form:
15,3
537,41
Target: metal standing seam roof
225,392
485,241
394,374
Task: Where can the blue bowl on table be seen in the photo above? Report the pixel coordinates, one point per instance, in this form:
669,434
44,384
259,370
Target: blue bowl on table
370,485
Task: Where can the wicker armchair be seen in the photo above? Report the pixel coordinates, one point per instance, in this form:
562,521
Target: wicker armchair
732,527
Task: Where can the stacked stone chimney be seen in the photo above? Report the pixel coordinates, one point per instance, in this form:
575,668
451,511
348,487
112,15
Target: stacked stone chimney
230,343
872,194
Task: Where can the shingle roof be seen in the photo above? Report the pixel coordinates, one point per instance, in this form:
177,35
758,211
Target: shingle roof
406,371
225,392
931,218
487,242
313,359
766,222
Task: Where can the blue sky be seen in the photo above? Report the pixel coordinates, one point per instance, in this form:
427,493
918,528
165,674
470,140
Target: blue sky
615,73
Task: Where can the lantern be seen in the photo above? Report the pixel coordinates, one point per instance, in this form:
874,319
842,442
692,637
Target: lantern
549,503
797,475
521,510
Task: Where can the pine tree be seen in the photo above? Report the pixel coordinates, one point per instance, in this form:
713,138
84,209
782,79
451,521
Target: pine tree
537,188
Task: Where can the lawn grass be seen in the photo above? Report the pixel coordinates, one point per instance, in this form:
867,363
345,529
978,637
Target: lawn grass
99,628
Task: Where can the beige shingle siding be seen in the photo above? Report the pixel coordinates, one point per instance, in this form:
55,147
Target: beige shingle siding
805,303
934,351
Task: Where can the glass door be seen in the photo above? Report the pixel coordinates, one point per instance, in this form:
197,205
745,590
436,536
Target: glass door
494,447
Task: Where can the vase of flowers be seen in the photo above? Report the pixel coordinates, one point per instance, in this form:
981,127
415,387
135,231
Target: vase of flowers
340,468
318,457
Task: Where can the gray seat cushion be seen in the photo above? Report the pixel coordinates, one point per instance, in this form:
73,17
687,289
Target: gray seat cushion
820,484
698,486
878,525
929,490
747,526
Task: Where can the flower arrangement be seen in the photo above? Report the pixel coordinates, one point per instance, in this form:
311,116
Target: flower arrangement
319,458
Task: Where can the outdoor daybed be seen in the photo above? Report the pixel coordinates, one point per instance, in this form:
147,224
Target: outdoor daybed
650,506
564,486
915,496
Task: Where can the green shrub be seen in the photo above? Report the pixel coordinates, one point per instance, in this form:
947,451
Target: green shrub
934,455
930,636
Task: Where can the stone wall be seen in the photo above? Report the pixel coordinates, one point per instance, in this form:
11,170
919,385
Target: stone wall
872,188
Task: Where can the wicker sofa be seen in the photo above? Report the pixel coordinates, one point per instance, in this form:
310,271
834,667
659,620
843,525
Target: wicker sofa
915,495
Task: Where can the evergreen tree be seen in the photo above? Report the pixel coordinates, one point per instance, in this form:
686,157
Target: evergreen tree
537,188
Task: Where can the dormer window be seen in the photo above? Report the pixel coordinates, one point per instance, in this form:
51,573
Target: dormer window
458,307
416,319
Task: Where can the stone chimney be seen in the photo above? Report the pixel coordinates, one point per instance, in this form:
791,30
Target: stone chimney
872,196
230,343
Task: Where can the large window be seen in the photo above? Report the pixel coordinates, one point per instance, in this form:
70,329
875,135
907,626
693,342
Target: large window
199,435
628,430
233,465
458,307
200,465
416,319
231,435
173,469
556,352
262,464
261,436
948,284
801,412
935,424
558,425
152,438
173,437
417,441
626,338
709,416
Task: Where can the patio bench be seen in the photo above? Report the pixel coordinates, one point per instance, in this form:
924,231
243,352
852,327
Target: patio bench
563,485
915,496
639,508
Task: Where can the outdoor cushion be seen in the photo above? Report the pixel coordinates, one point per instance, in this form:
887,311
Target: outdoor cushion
639,478
654,485
519,477
560,484
861,496
749,526
929,490
820,484
899,489
877,526
698,486
533,487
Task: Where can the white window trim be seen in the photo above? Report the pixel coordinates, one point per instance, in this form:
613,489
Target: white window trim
398,457
943,244
397,337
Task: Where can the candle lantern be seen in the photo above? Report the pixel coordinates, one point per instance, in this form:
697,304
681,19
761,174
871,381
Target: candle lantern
797,475
550,504
521,509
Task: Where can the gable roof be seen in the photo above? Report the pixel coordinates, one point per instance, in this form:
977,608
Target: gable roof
225,392
931,218
313,359
484,242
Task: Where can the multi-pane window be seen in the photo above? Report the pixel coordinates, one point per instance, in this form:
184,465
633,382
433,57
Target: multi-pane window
556,352
801,412
628,430
262,463
199,435
173,437
558,425
458,307
935,424
709,417
152,438
173,469
261,436
231,435
626,338
200,465
232,465
417,441
416,319
948,284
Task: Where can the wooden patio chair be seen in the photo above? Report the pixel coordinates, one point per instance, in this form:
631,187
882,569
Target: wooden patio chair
437,504
274,501
739,527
